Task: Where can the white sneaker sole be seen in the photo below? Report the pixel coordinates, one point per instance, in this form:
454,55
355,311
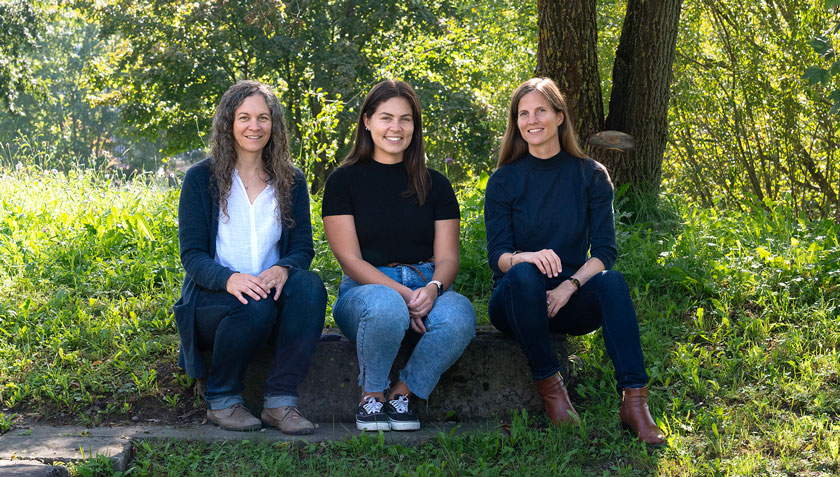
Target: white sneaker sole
373,426
405,426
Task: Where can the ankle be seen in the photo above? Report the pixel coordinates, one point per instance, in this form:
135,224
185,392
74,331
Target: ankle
399,388
380,396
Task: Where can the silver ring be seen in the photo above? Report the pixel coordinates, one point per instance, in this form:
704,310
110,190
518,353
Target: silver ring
547,304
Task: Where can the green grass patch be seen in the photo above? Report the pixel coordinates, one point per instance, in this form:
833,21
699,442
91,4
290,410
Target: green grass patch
738,312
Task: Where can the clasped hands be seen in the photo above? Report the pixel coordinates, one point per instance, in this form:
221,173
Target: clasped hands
420,303
549,264
257,287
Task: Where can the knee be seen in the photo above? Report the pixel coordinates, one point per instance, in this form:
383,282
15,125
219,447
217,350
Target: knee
462,318
261,314
614,281
525,275
310,282
385,307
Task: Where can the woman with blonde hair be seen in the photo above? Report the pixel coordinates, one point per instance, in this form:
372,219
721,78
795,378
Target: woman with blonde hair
551,244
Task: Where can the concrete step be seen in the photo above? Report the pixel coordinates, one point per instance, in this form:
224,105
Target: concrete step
490,379
30,452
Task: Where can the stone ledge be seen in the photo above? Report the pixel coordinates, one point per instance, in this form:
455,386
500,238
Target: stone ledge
491,378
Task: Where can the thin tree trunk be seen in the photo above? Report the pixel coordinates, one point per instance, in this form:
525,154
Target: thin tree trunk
641,81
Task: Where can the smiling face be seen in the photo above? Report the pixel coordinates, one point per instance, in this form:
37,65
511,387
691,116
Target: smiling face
538,122
391,126
251,125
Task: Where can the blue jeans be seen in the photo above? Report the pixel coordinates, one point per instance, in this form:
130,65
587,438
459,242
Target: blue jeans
517,308
236,332
376,318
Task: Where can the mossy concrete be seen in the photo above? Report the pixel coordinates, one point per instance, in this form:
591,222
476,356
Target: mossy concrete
490,379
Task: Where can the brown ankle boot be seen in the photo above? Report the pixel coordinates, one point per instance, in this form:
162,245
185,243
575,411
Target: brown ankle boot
635,415
556,400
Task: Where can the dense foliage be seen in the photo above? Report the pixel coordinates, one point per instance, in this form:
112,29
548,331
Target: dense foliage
745,125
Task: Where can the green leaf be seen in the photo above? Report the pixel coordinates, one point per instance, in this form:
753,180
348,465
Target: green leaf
835,68
816,75
831,4
820,44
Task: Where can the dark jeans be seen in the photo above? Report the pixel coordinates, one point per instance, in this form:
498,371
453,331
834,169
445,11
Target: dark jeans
517,308
236,332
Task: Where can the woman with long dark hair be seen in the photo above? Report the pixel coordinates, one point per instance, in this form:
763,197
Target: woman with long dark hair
393,224
551,242
246,246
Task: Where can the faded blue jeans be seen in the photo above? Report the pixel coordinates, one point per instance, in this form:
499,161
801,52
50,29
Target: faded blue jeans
376,318
235,332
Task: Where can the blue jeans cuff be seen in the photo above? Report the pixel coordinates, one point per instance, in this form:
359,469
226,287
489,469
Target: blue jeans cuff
224,402
271,402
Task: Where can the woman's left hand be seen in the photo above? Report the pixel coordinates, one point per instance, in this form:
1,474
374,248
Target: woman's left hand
558,297
421,303
275,277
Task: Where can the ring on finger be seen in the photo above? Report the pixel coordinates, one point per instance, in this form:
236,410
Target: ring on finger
547,304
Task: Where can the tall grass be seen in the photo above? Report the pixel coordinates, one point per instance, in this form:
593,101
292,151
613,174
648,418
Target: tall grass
738,313
90,271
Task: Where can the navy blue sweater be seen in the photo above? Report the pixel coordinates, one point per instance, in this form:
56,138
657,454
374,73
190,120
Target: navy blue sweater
563,203
198,224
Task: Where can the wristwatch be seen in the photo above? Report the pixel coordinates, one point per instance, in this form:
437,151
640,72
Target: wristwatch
439,286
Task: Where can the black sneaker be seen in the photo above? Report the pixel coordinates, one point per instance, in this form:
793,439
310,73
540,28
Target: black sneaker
370,417
400,416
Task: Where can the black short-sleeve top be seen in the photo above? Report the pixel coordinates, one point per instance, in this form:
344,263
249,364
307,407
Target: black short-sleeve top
391,227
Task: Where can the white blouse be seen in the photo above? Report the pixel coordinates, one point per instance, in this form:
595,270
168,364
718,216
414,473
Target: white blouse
248,238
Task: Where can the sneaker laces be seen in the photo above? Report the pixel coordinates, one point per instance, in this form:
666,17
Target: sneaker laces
400,403
371,405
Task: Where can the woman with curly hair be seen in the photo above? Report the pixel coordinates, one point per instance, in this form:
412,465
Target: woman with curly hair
393,224
246,246
551,244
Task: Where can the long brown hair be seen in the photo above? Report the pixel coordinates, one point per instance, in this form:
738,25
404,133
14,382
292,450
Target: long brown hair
514,146
277,163
414,156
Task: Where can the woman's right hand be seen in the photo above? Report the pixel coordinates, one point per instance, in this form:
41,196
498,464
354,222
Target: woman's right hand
546,261
241,284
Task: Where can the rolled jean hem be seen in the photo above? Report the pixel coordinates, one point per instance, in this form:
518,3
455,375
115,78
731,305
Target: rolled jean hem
272,402
224,402
536,377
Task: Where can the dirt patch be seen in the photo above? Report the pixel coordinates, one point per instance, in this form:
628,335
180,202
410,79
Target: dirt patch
172,404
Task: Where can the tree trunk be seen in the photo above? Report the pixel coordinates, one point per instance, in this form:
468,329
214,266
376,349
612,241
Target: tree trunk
568,53
641,81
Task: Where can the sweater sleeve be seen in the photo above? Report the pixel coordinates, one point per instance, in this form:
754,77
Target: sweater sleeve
601,218
498,221
194,224
299,250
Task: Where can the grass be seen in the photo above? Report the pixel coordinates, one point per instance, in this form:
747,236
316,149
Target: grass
738,313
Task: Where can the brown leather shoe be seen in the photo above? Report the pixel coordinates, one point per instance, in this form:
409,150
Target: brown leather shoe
234,418
556,400
635,415
288,419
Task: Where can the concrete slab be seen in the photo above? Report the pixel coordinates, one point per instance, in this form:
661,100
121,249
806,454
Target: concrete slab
28,468
46,444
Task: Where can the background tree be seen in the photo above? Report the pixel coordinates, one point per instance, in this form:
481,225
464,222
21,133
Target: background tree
640,80
20,24
173,61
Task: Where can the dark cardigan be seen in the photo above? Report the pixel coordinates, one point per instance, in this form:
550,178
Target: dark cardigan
198,223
